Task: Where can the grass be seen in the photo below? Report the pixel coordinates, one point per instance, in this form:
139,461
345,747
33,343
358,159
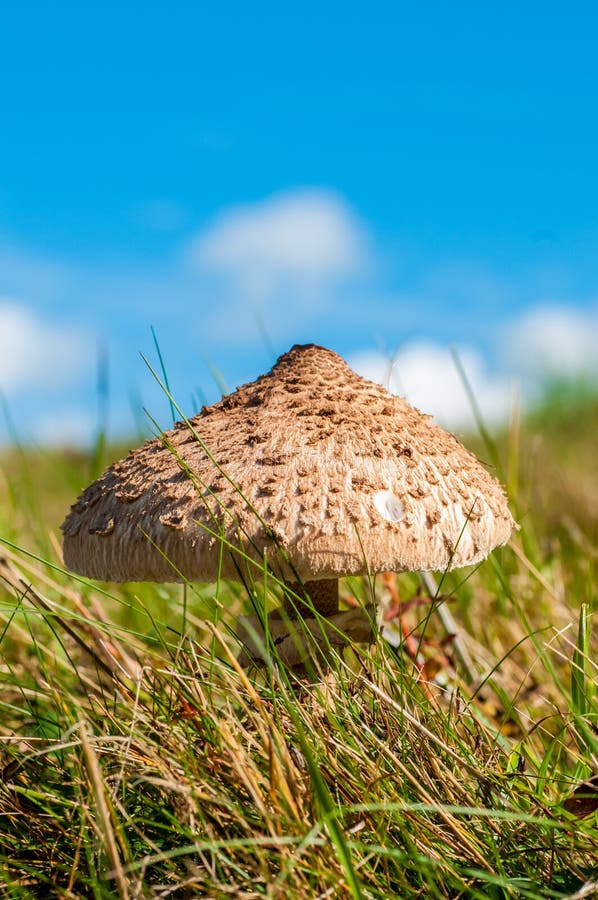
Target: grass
137,759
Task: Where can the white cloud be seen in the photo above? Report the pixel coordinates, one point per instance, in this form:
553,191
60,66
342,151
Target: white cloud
547,341
301,266
35,354
427,375
306,236
555,341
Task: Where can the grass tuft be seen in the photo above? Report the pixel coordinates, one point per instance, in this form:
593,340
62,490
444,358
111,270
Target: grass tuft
138,759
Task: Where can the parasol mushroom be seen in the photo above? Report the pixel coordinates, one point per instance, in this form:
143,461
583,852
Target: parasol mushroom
313,469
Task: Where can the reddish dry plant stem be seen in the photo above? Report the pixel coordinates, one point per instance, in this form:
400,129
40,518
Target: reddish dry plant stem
409,642
426,668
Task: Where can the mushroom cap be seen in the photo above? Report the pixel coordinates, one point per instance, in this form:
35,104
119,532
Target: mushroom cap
310,467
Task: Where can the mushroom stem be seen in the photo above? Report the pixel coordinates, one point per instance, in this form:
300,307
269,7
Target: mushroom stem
323,595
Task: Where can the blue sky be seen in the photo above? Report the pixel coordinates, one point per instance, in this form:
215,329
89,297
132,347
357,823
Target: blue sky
375,178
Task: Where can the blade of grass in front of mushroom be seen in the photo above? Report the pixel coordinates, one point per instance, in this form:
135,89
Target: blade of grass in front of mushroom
435,607
237,553
183,418
307,602
204,490
221,470
302,636
194,477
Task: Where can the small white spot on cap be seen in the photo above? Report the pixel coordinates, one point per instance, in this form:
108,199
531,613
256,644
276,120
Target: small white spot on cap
389,506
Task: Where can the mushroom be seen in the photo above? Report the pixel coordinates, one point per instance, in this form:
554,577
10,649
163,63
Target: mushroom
310,468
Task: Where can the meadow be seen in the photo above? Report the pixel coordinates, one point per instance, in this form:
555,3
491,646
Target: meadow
138,759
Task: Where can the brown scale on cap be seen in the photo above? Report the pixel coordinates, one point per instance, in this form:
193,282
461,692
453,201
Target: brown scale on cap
311,467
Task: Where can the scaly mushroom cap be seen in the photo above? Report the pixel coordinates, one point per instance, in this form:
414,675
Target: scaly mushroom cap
343,476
